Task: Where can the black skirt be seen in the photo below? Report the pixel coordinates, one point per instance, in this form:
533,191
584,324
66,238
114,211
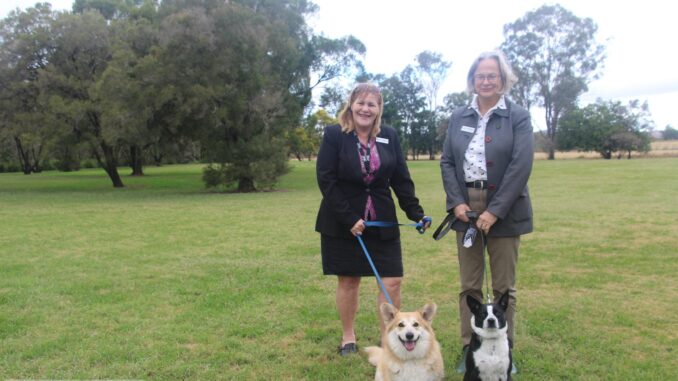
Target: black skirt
342,256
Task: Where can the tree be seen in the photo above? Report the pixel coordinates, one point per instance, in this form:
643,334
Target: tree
332,99
25,49
128,89
555,56
82,54
451,102
670,133
607,127
404,105
304,140
249,67
432,71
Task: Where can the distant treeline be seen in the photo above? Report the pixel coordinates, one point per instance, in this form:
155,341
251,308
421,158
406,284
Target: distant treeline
231,83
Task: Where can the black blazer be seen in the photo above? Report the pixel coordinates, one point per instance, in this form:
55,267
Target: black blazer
345,193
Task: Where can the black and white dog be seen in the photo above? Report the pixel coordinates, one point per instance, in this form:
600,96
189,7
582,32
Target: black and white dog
489,354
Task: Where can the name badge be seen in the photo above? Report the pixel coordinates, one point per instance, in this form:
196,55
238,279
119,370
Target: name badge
468,129
382,140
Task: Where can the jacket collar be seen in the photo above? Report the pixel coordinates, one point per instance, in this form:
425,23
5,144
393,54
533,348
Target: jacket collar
501,108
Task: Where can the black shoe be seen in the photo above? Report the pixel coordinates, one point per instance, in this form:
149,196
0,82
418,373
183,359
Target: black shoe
347,349
461,366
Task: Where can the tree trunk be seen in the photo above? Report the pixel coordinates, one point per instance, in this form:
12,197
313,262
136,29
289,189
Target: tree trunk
109,164
136,160
246,185
157,158
551,122
35,166
23,157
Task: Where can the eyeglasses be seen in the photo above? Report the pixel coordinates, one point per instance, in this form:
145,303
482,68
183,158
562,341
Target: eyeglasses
489,77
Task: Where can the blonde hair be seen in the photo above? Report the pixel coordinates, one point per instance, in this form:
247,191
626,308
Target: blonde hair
508,78
346,114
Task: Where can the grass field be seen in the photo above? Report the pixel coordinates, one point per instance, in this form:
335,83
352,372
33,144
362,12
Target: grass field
163,280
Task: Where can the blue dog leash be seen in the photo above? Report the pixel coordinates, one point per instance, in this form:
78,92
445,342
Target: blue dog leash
420,228
376,273
386,224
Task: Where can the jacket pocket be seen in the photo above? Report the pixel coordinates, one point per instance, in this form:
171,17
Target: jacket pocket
521,209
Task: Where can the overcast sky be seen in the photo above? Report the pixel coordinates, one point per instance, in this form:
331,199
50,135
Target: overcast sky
639,38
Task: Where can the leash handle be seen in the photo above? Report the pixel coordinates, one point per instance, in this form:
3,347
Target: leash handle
374,269
445,226
420,226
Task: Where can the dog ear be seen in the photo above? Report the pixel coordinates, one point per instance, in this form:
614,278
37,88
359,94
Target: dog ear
388,312
504,300
428,312
473,303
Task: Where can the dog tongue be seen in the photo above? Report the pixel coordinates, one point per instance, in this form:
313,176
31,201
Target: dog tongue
409,345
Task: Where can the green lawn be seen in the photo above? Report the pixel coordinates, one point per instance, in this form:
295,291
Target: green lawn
164,280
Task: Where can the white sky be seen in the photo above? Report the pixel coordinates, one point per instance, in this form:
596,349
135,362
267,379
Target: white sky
641,51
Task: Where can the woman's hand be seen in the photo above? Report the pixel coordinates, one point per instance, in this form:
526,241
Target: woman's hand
426,223
485,221
358,228
460,212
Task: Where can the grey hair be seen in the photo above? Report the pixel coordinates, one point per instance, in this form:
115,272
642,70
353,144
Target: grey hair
508,77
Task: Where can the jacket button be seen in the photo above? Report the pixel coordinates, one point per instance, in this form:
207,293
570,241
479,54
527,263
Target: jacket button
491,187
490,163
488,139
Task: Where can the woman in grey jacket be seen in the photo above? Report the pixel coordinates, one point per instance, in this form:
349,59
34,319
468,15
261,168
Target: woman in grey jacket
487,160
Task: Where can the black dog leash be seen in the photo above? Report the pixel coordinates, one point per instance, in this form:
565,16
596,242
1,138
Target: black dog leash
473,217
446,226
487,283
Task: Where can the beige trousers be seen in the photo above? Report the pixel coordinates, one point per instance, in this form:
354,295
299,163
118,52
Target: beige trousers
503,259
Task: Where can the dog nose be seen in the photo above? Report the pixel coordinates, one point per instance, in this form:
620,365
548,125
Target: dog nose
409,335
491,323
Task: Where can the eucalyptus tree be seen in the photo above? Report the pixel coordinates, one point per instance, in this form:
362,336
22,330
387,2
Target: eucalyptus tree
405,109
25,49
333,98
431,70
555,55
451,102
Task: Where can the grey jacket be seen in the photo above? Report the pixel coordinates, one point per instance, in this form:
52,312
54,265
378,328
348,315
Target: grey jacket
509,152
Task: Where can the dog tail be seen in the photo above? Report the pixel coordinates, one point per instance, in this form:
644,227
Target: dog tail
374,355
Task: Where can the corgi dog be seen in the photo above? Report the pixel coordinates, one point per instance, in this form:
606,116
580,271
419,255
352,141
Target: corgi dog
489,355
409,348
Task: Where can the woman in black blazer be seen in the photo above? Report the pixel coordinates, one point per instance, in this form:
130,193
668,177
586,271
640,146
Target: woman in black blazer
358,164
